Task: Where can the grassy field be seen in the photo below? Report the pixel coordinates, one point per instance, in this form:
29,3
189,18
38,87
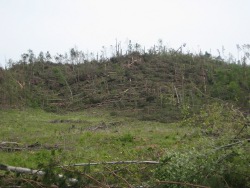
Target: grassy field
87,136
97,135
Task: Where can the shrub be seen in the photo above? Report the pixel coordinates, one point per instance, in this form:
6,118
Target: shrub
214,168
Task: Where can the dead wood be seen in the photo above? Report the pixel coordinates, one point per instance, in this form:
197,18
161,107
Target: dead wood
14,146
9,143
67,121
29,171
113,163
230,145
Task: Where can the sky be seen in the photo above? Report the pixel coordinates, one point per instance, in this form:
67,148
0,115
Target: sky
58,25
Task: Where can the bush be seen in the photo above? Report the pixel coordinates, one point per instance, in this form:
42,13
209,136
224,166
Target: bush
189,167
211,168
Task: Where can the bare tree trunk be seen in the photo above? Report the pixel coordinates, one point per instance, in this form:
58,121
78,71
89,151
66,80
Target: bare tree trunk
30,171
177,95
204,78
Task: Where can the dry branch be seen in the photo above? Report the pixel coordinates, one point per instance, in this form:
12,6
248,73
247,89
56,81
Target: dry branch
91,178
230,145
96,181
113,163
116,175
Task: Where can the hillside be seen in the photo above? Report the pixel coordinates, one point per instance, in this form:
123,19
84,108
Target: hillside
145,119
156,85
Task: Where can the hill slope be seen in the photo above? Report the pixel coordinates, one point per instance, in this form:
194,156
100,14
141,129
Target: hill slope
155,85
209,146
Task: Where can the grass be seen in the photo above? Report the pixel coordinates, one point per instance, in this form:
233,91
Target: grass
97,135
81,137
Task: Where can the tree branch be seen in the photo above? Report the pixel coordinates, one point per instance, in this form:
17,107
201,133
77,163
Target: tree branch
114,162
230,145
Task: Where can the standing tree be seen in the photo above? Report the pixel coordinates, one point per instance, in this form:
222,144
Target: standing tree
48,56
41,59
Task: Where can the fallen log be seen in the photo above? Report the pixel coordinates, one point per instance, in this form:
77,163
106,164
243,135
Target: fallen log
9,143
71,180
14,146
9,149
113,163
30,171
230,145
20,170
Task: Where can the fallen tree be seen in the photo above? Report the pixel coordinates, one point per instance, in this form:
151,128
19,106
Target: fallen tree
30,171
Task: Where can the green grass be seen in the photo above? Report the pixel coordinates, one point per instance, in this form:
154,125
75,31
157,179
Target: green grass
123,139
97,135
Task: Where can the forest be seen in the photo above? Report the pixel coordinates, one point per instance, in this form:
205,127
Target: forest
160,117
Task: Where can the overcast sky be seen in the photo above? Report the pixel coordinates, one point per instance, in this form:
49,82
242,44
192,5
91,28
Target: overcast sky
58,25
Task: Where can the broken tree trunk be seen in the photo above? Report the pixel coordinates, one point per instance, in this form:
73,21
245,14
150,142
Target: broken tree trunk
30,171
114,162
20,170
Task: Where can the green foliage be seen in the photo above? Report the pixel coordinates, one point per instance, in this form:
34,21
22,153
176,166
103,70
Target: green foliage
231,83
205,167
212,118
190,166
185,111
59,76
209,164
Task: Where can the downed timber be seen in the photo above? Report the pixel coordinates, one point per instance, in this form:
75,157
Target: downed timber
113,163
6,143
11,146
71,180
14,146
230,145
11,149
30,171
21,170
